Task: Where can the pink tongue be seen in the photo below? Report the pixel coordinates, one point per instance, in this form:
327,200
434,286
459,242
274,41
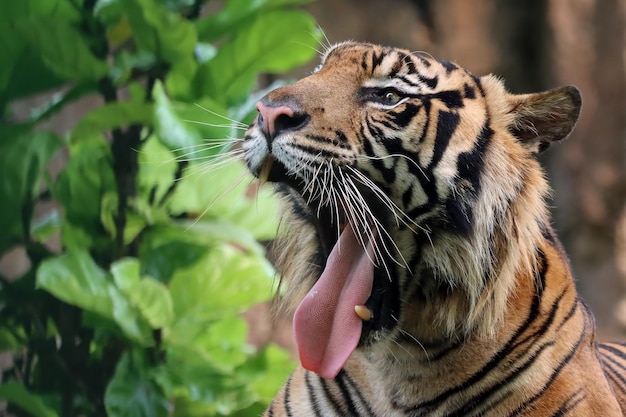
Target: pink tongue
327,330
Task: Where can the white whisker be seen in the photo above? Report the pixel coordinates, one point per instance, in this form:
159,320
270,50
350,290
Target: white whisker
235,122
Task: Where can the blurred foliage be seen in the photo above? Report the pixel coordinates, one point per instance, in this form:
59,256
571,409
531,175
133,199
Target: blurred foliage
139,313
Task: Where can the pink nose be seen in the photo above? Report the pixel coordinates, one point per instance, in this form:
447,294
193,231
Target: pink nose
278,119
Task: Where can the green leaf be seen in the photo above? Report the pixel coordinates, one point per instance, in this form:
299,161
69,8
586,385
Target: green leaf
157,168
15,393
59,9
162,261
267,371
62,48
132,392
23,159
171,131
23,72
226,191
149,296
236,14
155,29
76,279
111,116
80,188
273,42
222,343
237,280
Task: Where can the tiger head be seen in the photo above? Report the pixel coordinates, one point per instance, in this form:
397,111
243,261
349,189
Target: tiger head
411,191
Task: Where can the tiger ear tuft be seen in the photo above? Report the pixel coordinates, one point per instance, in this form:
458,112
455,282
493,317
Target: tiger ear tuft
543,118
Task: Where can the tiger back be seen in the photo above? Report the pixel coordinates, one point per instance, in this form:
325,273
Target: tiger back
420,263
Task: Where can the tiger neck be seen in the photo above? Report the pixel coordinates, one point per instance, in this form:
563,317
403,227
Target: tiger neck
463,284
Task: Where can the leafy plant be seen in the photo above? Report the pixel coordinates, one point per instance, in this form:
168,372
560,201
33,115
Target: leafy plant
138,313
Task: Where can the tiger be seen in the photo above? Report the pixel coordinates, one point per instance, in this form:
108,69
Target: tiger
419,260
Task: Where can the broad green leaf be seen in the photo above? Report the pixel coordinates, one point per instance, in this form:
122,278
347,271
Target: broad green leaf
222,343
237,280
149,296
62,48
236,14
135,222
15,393
80,188
132,392
267,371
194,132
23,159
157,168
162,261
126,273
171,131
226,191
76,279
166,249
201,390
273,42
128,62
113,115
22,72
159,31
59,9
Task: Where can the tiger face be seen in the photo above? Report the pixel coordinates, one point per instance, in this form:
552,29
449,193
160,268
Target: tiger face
413,198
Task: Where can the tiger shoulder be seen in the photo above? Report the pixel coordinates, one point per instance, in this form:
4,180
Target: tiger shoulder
419,260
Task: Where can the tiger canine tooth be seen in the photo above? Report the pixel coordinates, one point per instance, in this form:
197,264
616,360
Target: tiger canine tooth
363,312
265,169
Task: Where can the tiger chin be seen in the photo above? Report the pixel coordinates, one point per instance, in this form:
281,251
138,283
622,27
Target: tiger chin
420,262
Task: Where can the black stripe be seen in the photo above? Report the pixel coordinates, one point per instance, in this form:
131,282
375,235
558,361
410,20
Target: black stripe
310,389
403,117
341,141
430,82
406,59
331,398
552,378
407,80
503,383
451,98
500,356
449,66
389,174
447,122
470,164
377,59
616,377
468,91
611,348
363,401
345,392
287,399
326,153
572,402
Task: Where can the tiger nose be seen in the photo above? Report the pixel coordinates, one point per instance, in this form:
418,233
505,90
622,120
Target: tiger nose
277,119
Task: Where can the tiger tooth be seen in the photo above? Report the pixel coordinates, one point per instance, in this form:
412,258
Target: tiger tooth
265,169
363,312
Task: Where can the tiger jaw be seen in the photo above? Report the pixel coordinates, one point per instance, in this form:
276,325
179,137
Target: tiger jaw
330,221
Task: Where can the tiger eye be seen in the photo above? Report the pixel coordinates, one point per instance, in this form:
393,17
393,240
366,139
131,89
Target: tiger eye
391,97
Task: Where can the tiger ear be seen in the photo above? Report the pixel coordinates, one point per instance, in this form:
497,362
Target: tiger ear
543,118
